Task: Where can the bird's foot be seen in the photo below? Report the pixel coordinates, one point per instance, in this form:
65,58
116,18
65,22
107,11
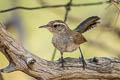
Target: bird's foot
61,60
83,62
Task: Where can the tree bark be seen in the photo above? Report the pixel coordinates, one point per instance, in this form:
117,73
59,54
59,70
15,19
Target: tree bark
1,77
100,68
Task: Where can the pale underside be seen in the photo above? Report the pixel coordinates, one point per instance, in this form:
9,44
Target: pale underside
67,43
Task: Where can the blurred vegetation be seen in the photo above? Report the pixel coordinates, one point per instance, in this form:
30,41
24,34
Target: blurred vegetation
38,41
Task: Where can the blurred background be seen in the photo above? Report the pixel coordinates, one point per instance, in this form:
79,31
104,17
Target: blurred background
104,40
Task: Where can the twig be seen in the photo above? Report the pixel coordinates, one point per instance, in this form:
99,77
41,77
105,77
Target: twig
116,5
68,8
53,55
51,6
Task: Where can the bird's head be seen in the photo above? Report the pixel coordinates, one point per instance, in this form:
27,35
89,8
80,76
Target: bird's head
56,26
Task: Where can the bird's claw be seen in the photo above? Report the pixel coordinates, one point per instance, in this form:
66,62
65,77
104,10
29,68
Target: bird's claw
61,61
83,62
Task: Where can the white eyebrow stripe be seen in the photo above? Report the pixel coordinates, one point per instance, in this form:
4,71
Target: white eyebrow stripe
59,24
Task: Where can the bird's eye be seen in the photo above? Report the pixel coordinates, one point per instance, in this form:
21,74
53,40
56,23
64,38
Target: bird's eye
55,26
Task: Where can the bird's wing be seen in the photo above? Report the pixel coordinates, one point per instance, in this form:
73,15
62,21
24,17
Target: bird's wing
78,38
87,24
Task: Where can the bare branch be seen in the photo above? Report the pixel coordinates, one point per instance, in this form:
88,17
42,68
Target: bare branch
68,8
51,6
22,60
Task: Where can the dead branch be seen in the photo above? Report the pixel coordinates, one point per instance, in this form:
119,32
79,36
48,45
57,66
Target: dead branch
23,60
52,6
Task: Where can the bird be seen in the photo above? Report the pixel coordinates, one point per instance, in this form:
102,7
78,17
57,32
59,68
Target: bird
67,40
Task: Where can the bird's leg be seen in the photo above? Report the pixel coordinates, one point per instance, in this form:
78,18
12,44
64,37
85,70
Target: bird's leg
82,58
61,59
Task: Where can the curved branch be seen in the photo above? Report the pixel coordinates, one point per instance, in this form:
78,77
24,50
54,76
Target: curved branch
22,60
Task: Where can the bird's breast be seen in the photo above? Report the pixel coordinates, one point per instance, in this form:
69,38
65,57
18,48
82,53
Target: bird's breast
64,43
72,47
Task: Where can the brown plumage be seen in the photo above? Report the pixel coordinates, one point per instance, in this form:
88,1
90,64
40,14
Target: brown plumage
67,40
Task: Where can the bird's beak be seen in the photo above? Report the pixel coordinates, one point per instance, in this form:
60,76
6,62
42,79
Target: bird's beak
44,26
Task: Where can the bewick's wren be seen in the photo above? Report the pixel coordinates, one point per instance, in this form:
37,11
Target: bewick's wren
67,40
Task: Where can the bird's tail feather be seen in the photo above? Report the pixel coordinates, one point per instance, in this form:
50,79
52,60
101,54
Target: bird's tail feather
87,24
